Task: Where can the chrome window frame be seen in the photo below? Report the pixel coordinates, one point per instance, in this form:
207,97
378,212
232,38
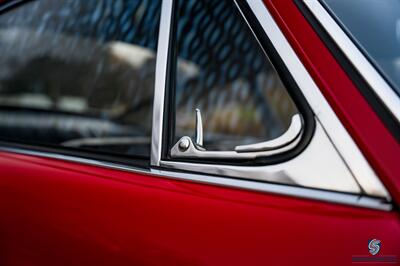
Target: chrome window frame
341,139
324,115
338,135
160,81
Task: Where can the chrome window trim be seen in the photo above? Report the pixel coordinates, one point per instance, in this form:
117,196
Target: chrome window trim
281,189
309,169
378,84
160,81
339,136
336,132
285,190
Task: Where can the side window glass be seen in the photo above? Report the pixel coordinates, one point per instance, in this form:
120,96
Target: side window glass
222,71
79,74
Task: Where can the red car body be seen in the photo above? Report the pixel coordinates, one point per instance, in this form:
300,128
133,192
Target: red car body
54,212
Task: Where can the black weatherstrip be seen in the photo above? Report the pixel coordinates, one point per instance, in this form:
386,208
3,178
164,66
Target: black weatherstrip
168,131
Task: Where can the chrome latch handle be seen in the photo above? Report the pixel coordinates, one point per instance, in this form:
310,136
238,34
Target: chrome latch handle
199,128
185,148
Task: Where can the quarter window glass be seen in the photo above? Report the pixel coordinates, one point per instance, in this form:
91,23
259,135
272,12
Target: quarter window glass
222,70
79,74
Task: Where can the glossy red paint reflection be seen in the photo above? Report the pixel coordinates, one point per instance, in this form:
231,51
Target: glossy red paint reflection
60,213
378,145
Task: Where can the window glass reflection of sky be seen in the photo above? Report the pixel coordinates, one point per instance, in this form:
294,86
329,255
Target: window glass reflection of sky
375,26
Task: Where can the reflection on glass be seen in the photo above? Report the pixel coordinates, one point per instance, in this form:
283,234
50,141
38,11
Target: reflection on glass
375,26
222,71
83,71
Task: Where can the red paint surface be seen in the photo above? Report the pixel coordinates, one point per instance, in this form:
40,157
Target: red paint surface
371,135
60,213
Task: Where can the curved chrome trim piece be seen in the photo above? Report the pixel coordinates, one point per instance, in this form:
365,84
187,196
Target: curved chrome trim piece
314,194
194,151
319,166
185,148
381,88
339,136
292,133
160,83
